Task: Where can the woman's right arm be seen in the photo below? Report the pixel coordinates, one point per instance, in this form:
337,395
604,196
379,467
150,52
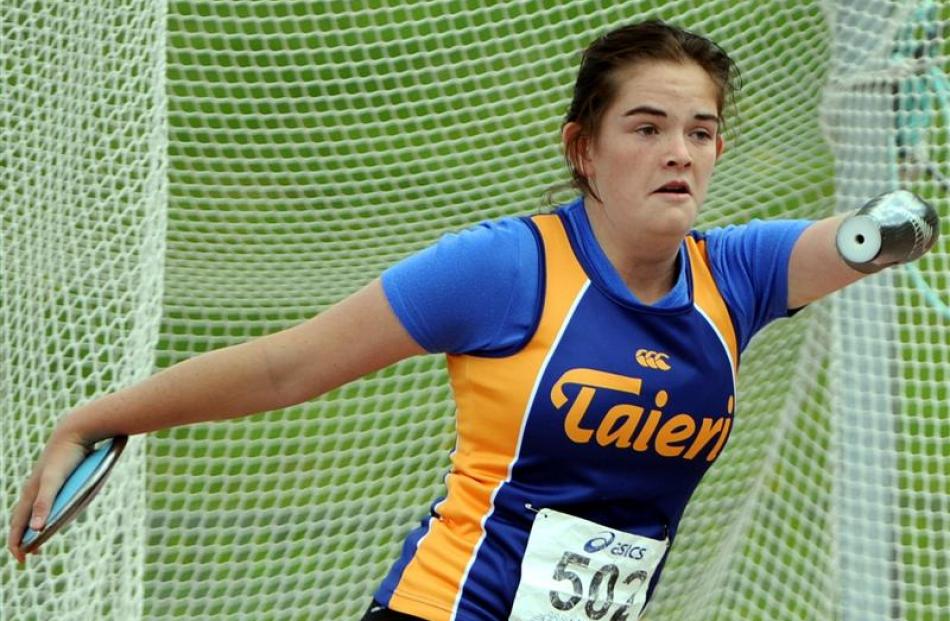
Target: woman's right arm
357,336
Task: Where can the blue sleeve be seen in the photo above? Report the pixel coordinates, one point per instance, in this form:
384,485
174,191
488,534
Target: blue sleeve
750,265
471,292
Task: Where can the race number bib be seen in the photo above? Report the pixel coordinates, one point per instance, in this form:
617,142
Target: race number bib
577,570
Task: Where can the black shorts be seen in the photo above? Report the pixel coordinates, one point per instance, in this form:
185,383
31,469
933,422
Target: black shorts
378,612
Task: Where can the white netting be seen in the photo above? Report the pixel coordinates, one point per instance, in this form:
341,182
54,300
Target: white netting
310,145
82,236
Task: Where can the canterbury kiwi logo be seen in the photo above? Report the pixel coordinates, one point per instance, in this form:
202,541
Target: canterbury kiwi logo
653,359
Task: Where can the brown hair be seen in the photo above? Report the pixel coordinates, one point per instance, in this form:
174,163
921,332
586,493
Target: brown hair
596,88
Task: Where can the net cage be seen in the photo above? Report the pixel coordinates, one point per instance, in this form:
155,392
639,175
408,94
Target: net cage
180,177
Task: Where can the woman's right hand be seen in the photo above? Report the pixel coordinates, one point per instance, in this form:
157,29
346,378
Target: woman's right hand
62,454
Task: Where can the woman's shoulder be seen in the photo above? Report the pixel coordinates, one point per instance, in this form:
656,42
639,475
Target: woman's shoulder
504,230
749,263
473,290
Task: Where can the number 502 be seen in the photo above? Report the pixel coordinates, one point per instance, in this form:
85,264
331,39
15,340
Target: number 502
606,577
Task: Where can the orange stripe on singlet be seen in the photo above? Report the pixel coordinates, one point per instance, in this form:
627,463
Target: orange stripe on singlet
490,414
707,297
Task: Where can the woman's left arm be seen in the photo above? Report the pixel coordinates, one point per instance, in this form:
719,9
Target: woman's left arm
815,268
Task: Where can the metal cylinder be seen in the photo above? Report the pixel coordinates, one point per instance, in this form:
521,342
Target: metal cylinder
895,227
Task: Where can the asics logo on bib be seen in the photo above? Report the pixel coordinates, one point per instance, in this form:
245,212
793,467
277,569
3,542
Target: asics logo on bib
599,542
653,360
629,550
630,426
604,541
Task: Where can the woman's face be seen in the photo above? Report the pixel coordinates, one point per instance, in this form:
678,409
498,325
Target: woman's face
656,149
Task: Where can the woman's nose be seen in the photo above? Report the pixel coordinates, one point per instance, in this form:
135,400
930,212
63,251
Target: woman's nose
678,155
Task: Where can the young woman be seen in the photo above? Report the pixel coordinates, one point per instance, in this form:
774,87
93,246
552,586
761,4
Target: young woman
592,352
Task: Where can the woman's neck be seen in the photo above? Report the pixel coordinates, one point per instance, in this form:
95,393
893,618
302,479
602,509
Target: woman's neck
647,280
647,265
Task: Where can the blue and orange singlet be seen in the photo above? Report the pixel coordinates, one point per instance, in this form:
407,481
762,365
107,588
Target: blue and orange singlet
611,412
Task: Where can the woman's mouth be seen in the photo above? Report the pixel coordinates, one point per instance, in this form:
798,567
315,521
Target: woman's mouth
674,188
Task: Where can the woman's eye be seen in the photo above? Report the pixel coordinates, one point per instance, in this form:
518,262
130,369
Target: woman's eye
702,134
646,130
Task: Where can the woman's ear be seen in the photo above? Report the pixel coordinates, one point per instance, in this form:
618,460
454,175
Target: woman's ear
575,147
720,146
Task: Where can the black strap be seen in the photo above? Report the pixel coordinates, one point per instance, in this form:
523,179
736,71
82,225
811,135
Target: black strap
378,612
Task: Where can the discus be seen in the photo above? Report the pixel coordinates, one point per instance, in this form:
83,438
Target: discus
82,485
